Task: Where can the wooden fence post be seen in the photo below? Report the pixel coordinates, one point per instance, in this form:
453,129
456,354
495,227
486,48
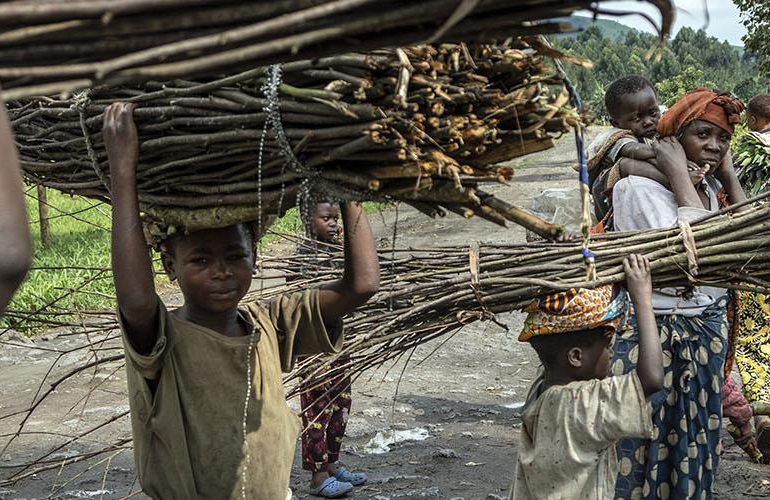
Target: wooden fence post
42,208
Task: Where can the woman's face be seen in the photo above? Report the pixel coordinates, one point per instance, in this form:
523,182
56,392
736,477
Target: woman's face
705,144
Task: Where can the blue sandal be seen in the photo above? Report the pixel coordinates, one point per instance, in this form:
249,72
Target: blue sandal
354,478
332,488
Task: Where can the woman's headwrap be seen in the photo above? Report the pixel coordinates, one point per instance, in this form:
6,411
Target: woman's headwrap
575,310
721,109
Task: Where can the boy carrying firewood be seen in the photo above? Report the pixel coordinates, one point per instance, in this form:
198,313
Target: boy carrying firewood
575,413
208,409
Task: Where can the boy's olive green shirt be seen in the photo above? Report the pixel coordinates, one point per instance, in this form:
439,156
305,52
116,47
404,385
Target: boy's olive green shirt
188,435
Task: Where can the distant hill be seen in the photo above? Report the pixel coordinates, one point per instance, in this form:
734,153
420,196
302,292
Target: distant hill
611,29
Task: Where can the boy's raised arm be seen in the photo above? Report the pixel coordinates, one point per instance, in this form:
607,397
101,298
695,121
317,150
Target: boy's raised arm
16,248
131,263
361,278
649,366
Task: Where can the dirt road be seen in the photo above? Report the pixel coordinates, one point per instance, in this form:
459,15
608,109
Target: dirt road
453,411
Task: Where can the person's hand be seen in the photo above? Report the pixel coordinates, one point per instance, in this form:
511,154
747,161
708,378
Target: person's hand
567,236
670,156
697,174
638,277
120,137
725,168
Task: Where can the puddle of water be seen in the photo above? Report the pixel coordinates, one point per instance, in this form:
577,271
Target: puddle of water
64,455
85,494
382,441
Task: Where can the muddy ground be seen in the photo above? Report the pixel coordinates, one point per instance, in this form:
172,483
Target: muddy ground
455,409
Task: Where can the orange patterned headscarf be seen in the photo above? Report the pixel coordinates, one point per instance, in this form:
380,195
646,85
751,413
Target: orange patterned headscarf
575,310
721,109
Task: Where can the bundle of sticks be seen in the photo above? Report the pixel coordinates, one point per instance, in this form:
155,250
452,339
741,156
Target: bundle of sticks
425,125
426,294
53,46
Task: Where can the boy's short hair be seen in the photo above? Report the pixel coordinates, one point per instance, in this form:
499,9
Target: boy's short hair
553,348
310,203
167,244
759,105
621,87
307,206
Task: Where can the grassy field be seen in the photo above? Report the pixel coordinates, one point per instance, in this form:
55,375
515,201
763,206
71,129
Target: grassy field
72,274
80,240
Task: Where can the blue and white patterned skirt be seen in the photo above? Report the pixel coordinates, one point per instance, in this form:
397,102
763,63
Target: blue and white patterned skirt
681,459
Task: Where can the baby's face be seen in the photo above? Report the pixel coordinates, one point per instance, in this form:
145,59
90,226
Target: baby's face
639,113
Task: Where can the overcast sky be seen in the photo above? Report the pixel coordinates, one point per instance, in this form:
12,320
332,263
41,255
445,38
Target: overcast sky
725,17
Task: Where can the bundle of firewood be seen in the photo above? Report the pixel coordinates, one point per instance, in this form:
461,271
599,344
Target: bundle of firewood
427,125
427,294
53,46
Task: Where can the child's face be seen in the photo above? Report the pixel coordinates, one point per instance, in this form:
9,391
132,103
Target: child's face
705,144
213,267
324,222
639,113
596,361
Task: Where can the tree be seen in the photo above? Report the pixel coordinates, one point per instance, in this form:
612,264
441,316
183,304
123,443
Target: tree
750,87
692,59
670,90
756,18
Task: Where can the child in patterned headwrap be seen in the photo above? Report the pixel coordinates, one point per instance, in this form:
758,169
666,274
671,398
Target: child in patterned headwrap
574,413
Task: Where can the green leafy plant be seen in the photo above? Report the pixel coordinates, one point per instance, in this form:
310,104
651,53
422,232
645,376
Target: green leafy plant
752,158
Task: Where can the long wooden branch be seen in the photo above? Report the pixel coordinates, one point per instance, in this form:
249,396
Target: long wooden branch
128,41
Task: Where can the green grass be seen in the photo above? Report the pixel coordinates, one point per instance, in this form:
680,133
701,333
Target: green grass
54,291
82,240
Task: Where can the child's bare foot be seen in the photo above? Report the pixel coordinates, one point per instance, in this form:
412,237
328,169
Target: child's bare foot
762,424
319,478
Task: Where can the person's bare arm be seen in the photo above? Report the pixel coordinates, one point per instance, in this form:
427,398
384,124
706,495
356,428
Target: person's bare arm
672,161
641,168
727,175
131,263
16,248
361,277
649,367
650,170
637,151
